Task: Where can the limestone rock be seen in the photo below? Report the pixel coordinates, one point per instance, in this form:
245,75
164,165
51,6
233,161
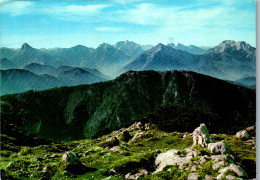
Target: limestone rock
113,141
223,157
204,159
217,165
229,177
71,158
242,134
193,176
115,149
239,171
136,175
221,176
201,136
217,148
246,133
207,177
171,158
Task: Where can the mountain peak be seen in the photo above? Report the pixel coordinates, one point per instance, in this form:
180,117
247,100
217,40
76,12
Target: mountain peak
230,46
26,48
104,45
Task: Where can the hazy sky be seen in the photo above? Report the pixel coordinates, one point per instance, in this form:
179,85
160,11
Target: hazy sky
66,23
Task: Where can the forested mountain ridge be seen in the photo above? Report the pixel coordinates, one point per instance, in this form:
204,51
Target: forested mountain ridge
84,111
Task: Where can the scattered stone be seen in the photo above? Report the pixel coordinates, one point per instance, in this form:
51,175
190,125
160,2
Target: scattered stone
204,159
111,142
237,170
217,148
115,149
112,171
223,157
220,176
217,165
137,175
45,169
243,134
246,133
53,156
192,152
191,168
193,176
251,128
229,177
138,134
109,177
71,158
207,177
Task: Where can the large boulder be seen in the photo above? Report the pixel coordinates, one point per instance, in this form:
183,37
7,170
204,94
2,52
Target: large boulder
172,157
217,148
201,136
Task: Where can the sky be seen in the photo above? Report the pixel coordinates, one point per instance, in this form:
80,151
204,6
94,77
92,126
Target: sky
67,23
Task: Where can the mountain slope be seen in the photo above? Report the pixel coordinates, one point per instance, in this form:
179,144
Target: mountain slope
39,77
92,110
40,69
77,76
162,57
18,80
190,49
8,53
6,64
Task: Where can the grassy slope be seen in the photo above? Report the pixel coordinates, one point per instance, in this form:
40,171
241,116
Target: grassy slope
29,161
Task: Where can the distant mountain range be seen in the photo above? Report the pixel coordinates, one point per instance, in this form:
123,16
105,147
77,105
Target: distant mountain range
67,113
229,60
39,77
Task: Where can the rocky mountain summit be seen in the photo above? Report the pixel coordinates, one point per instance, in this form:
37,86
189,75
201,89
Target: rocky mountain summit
232,46
140,151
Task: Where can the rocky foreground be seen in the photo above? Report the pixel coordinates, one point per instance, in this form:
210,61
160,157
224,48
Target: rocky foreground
140,151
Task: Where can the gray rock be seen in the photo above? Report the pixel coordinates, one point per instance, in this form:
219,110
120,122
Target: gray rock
115,149
71,158
243,134
171,158
201,136
229,177
222,157
207,177
217,148
217,165
136,175
193,176
204,159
